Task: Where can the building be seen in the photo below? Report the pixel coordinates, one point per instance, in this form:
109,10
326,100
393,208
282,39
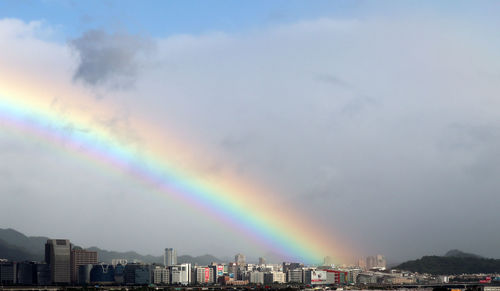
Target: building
161,275
102,274
170,257
352,275
294,276
58,257
256,277
84,274
262,261
43,275
8,273
204,275
315,277
362,263
122,262
81,257
26,273
180,274
274,277
336,277
291,266
119,274
376,262
136,274
240,259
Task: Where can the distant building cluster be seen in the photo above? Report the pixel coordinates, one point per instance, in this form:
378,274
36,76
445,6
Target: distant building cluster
68,265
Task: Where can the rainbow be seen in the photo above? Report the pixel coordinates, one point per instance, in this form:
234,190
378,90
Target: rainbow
273,229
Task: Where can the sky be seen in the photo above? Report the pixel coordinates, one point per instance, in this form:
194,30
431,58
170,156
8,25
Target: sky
364,126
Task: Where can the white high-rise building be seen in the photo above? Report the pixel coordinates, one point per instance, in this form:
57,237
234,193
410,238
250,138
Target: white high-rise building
181,274
170,257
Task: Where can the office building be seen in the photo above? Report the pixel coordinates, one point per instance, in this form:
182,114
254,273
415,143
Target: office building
81,257
102,274
137,274
240,259
274,277
314,277
170,257
161,275
26,273
256,277
120,274
84,274
294,276
291,266
7,272
58,257
376,262
43,275
204,275
180,274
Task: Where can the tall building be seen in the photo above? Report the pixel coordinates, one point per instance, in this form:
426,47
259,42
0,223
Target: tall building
7,272
240,259
58,257
377,261
81,257
262,261
170,257
161,275
204,275
180,274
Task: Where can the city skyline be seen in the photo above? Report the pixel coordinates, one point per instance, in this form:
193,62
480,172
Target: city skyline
273,129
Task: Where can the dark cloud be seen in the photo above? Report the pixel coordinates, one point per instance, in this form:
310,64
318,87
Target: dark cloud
111,59
334,80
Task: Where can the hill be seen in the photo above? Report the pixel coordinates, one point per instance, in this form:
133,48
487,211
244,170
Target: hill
16,246
460,254
454,262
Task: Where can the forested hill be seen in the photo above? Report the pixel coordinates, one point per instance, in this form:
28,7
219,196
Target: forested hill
454,262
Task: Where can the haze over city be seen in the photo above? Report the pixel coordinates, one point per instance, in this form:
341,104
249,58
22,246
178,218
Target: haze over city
350,127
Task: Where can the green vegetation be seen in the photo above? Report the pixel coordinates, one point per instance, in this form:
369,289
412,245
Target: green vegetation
449,265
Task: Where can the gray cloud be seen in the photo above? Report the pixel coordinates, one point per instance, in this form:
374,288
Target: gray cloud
109,58
396,148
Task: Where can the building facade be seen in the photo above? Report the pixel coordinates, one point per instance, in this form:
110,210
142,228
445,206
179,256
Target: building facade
81,257
170,257
58,257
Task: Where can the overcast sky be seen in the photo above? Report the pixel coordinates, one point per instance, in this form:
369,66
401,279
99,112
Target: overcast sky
381,122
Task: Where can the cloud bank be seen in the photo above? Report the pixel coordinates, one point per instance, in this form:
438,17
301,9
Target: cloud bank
385,131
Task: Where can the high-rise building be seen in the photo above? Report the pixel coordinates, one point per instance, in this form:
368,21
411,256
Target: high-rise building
377,261
58,257
170,257
7,272
328,261
161,275
204,275
81,257
294,276
26,273
262,261
84,274
180,274
240,259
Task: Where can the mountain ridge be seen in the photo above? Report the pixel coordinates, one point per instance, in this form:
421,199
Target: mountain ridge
16,246
452,263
